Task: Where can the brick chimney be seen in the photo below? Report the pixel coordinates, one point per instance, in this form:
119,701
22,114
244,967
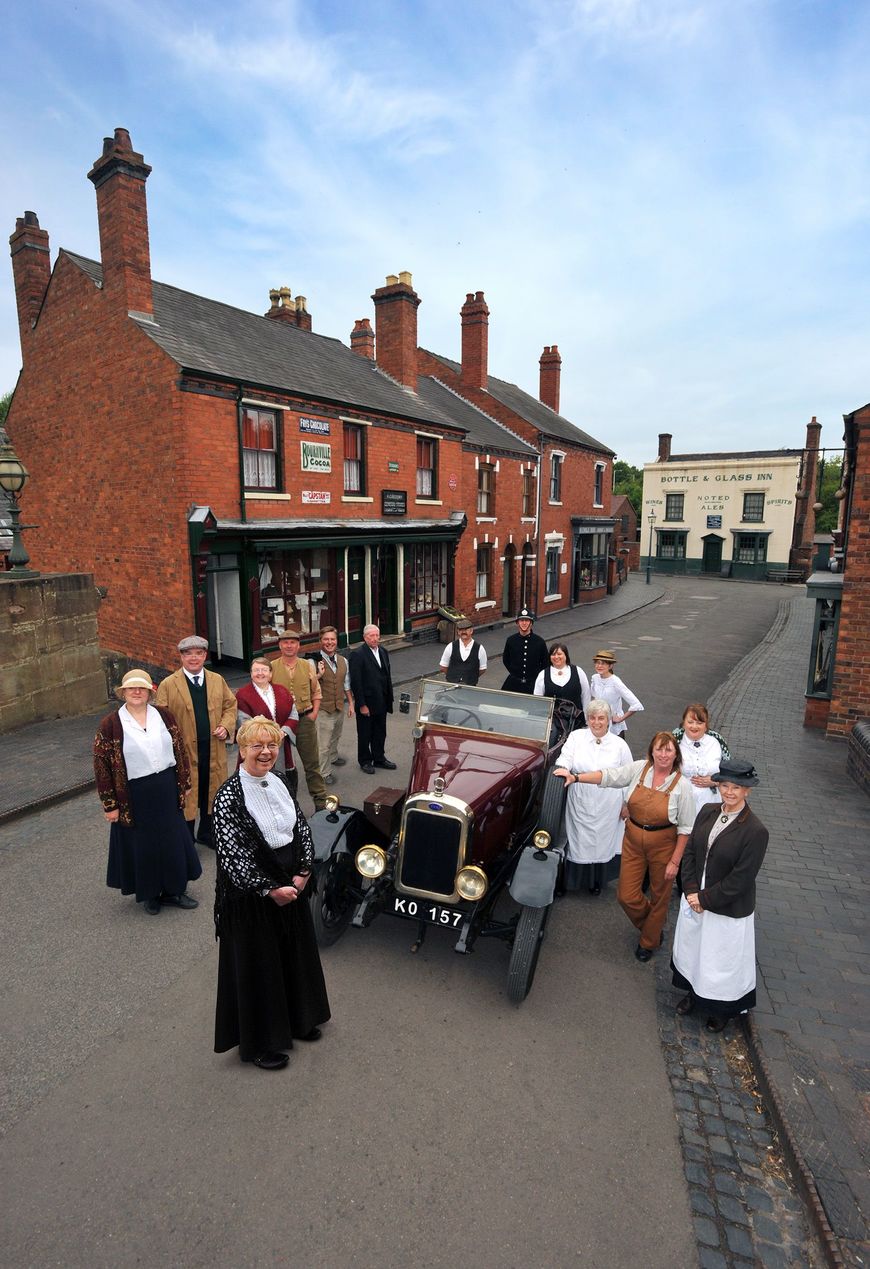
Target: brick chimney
282,307
119,177
362,338
303,317
396,305
551,375
31,269
475,341
665,439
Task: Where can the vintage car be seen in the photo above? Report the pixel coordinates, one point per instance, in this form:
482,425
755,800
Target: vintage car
473,847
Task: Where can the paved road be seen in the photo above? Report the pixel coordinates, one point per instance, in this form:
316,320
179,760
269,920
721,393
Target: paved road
433,1122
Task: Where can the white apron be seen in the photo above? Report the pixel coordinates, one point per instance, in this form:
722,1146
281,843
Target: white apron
715,953
595,830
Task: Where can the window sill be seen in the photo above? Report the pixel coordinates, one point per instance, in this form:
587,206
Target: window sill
355,498
554,504
485,520
599,506
527,519
551,599
485,603
267,497
428,502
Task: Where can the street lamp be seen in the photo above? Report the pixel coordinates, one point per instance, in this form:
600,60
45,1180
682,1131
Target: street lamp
13,478
652,520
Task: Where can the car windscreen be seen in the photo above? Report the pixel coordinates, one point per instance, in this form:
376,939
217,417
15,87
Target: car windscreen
483,710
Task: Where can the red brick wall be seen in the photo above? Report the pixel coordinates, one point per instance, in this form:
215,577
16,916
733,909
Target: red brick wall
95,421
507,529
851,693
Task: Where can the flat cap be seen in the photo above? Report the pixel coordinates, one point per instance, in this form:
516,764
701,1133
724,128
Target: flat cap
192,642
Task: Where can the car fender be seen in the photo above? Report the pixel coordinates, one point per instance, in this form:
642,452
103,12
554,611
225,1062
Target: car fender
331,832
534,881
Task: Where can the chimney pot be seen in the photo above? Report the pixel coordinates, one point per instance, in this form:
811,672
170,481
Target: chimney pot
362,338
391,279
665,439
405,278
550,377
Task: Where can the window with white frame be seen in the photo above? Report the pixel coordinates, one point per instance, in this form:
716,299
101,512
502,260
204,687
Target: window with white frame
552,570
354,460
486,489
528,494
556,477
483,572
753,507
427,467
260,448
600,469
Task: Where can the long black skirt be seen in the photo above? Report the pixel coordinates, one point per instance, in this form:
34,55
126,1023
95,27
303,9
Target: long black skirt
588,876
154,855
716,1008
270,982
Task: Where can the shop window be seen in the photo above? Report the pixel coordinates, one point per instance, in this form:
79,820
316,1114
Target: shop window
296,589
674,506
354,460
750,548
592,552
528,494
753,507
427,467
427,576
260,448
600,469
551,582
483,576
486,490
671,546
556,478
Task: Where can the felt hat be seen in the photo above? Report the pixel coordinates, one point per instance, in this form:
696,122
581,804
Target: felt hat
290,633
736,771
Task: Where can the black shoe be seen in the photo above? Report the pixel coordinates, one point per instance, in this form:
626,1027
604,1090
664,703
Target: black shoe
367,768
716,1024
386,765
206,842
686,1005
271,1061
643,954
314,1034
151,906
595,890
179,900
339,762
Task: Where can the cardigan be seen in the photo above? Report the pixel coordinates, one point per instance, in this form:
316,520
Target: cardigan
732,864
110,768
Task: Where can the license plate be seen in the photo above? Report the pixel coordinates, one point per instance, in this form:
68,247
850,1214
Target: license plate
423,910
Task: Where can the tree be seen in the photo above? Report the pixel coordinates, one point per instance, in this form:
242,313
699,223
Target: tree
629,480
831,474
5,402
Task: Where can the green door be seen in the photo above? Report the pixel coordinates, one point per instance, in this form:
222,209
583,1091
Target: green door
712,559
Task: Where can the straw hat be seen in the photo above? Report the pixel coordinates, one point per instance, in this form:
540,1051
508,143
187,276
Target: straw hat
134,678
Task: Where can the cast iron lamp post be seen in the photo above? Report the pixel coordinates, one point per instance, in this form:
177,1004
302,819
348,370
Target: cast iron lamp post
13,478
652,520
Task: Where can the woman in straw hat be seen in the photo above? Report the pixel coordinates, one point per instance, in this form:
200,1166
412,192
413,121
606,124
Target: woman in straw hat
143,775
607,686
714,944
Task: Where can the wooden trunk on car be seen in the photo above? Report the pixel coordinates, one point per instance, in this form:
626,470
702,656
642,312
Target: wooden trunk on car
383,809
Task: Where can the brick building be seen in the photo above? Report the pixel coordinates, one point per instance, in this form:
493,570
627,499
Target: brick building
626,544
838,689
234,473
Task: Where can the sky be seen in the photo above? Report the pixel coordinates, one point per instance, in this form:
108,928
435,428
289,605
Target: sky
675,192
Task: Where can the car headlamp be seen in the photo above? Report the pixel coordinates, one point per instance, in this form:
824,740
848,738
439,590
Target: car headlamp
371,861
471,882
541,839
331,803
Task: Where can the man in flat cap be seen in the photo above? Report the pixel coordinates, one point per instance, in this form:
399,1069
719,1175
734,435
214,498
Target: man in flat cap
205,710
299,676
525,655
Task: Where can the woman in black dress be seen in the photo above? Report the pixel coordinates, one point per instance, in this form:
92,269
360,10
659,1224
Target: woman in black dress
564,681
270,983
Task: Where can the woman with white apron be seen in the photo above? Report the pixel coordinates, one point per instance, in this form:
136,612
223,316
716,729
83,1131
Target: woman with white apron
714,945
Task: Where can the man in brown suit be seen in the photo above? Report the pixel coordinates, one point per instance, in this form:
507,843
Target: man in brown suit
205,710
299,676
334,678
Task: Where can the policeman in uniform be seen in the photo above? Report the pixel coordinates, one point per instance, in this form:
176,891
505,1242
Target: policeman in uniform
525,655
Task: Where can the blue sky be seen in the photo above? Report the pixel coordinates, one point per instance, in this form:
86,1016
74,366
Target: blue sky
676,192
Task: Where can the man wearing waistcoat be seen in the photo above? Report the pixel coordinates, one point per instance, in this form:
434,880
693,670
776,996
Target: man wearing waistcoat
334,677
372,688
299,677
205,710
464,660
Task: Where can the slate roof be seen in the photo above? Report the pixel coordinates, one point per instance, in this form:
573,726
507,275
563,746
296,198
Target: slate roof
532,410
482,430
207,337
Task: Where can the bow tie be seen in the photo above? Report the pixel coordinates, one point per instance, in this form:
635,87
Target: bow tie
697,744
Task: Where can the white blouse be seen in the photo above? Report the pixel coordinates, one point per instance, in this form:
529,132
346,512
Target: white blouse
619,697
148,749
270,804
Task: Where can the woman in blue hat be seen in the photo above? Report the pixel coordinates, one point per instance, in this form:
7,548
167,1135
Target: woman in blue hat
713,959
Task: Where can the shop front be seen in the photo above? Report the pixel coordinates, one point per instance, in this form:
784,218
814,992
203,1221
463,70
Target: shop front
253,581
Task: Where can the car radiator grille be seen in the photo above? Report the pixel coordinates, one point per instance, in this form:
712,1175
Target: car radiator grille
430,852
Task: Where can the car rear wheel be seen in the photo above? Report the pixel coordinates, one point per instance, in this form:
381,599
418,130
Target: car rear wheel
526,949
332,904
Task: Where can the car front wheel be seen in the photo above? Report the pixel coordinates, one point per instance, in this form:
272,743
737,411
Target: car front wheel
524,957
332,904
